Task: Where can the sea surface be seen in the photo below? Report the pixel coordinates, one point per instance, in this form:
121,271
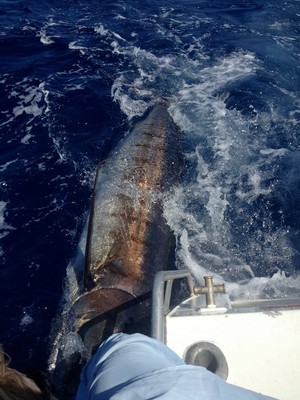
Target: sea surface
75,75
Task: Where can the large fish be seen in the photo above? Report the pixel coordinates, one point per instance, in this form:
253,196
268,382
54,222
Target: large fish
128,239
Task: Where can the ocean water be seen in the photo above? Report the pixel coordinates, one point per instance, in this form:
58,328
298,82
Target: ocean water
75,75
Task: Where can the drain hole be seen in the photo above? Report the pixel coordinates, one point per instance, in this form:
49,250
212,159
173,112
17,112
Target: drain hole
209,356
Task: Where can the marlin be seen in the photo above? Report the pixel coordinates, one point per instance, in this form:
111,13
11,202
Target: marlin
128,239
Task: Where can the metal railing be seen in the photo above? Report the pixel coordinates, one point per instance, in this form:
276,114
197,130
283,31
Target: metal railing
161,297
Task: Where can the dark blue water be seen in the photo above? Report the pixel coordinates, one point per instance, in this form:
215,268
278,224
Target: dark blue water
75,74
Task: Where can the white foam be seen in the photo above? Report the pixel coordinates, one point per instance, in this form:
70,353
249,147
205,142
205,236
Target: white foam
2,210
274,152
3,167
44,38
119,17
279,25
134,95
117,36
32,100
26,319
75,46
255,180
204,234
129,106
192,235
277,286
26,138
5,228
101,30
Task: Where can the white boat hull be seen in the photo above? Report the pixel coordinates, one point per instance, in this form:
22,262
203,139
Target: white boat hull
253,344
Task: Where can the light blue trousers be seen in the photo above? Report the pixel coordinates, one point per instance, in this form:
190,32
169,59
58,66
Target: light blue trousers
121,358
136,367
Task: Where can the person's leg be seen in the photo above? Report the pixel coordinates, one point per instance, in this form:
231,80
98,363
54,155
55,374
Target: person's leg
123,357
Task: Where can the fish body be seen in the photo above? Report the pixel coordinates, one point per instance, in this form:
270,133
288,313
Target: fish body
128,239
127,242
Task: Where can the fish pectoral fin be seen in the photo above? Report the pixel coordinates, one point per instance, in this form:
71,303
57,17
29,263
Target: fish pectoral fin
101,312
96,303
